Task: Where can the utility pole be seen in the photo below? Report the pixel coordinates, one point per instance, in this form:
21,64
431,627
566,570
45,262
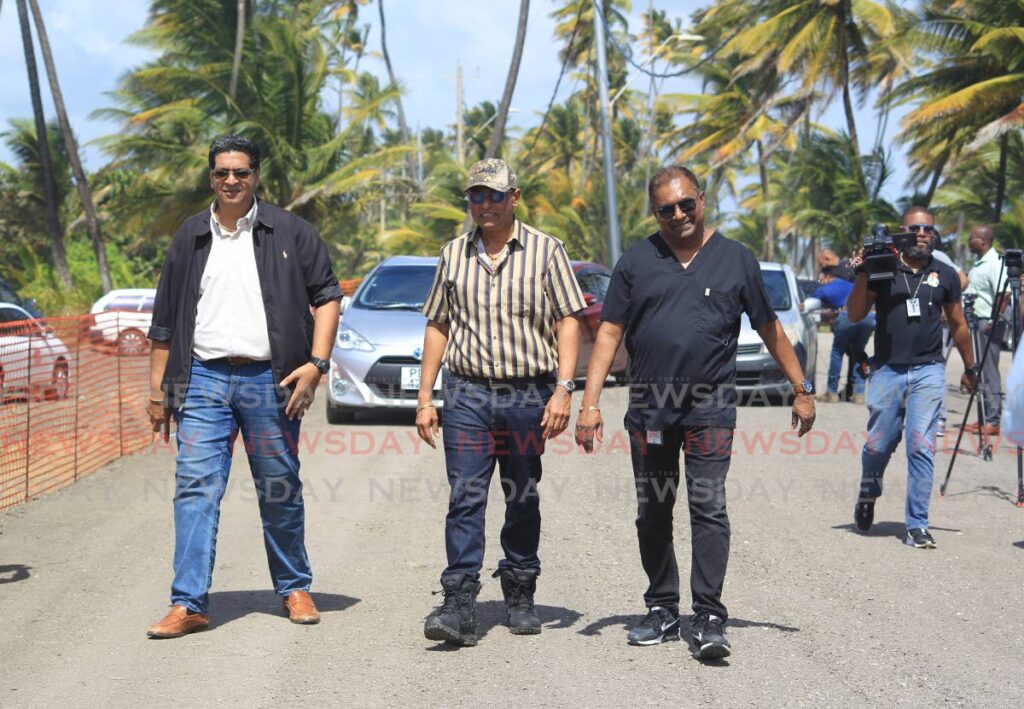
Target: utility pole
460,135
614,242
419,156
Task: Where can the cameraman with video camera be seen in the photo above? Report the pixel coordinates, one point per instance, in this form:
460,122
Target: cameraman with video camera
910,289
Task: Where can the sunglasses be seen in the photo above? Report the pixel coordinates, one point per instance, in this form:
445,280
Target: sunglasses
478,196
241,173
667,211
928,228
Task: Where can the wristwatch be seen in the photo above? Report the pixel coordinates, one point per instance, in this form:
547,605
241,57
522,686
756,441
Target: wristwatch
568,384
321,364
806,388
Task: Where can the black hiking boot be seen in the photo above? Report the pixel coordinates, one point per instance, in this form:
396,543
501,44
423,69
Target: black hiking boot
518,587
455,621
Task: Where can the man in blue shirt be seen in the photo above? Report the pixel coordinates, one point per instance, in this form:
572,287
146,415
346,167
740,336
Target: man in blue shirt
847,337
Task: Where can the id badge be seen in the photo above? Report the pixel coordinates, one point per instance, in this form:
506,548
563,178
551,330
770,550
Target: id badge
913,308
654,438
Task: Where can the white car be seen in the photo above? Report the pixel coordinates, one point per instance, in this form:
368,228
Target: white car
756,370
121,319
33,361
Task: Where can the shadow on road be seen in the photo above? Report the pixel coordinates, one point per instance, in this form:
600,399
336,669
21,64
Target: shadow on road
226,606
887,529
1019,545
990,490
491,614
12,573
625,622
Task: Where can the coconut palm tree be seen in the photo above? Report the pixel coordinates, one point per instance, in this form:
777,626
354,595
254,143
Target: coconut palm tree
59,253
81,181
498,133
822,44
970,95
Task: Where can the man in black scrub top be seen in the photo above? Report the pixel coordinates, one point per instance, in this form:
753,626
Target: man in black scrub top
677,297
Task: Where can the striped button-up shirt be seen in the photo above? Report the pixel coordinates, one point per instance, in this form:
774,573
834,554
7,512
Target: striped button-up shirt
502,318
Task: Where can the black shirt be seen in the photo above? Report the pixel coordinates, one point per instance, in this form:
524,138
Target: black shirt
904,340
295,273
681,327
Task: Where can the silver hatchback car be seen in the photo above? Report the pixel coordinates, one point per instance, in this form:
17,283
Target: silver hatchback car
375,362
757,372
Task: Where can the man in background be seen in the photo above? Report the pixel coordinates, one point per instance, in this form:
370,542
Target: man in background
987,280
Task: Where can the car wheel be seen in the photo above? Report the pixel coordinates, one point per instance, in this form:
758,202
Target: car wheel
132,342
339,414
60,382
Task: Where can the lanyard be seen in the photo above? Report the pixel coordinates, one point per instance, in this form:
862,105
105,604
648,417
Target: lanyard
913,297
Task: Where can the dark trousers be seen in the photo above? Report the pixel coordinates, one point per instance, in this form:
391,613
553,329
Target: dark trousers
707,452
990,369
483,426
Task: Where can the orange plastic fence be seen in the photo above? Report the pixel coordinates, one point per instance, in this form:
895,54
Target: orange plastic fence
72,399
349,287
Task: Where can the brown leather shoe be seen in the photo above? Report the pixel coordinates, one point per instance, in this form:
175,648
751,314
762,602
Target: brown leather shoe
178,622
301,608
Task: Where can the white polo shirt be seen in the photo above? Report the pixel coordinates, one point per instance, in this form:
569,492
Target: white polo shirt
230,318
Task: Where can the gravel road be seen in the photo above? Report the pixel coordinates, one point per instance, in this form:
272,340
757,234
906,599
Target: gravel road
822,616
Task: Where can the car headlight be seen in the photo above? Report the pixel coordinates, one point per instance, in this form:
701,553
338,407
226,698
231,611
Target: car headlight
349,339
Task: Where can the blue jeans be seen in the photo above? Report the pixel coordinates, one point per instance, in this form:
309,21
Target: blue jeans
484,426
221,399
848,338
901,395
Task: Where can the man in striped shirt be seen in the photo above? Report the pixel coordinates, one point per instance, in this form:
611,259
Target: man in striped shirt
501,314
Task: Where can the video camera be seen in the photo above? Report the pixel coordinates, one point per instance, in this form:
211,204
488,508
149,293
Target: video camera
881,249
1014,261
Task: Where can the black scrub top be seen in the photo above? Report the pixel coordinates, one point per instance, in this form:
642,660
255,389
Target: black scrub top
681,327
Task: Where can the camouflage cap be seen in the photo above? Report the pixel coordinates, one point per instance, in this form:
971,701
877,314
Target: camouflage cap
493,173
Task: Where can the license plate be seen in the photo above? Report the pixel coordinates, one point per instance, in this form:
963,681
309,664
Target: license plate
411,379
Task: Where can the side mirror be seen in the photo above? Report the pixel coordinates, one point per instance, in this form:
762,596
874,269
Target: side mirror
810,305
345,302
589,299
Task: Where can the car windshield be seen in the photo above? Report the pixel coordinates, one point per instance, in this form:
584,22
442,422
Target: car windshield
778,289
129,302
396,288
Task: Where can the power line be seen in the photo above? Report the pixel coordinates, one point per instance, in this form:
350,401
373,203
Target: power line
627,53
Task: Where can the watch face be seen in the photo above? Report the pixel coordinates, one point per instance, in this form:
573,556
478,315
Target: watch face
808,386
568,384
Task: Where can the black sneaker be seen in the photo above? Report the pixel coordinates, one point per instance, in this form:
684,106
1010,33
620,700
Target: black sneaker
864,514
707,635
661,624
920,539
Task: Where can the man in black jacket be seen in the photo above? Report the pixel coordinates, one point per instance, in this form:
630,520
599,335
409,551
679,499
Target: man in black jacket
236,348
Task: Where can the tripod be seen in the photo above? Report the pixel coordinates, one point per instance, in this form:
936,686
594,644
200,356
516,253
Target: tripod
1013,262
980,355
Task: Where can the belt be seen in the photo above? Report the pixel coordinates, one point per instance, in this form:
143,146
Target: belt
239,361
513,382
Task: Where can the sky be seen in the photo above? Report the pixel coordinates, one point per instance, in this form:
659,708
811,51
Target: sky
426,40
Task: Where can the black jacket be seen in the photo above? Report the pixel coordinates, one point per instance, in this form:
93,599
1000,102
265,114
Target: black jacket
295,273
